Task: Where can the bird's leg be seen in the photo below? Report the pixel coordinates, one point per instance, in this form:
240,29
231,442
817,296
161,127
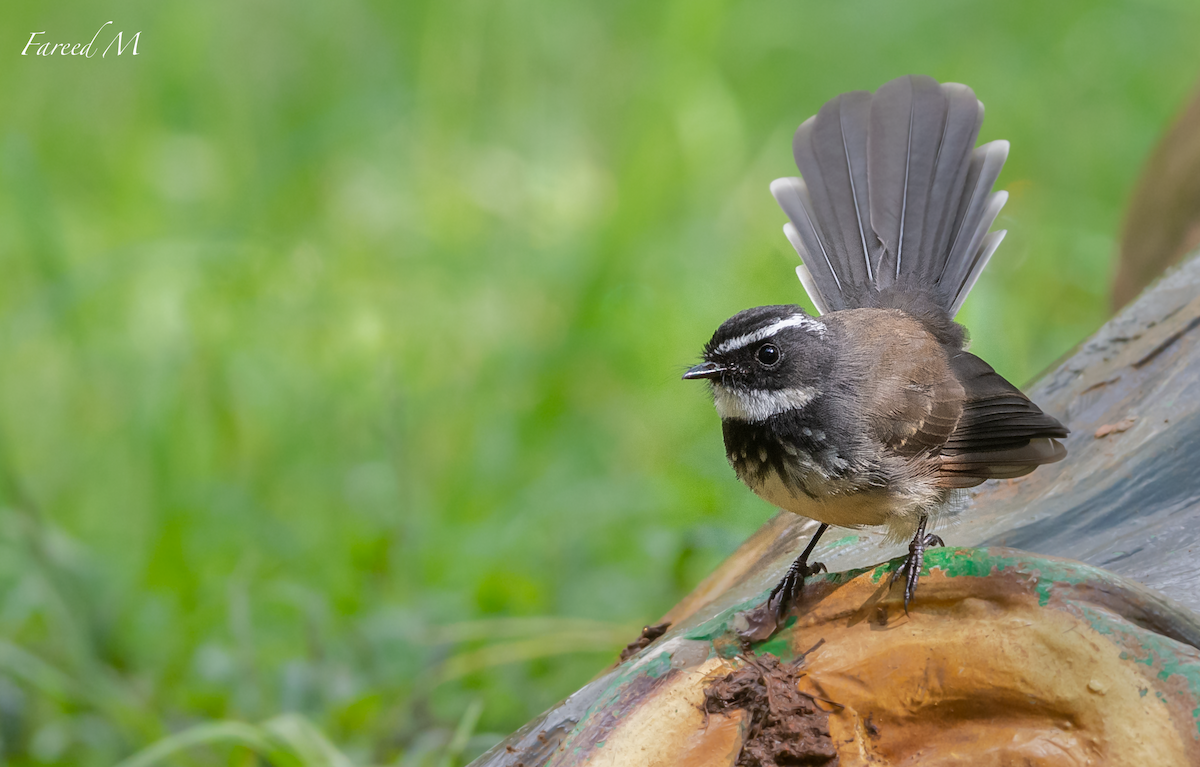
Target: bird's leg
787,588
915,560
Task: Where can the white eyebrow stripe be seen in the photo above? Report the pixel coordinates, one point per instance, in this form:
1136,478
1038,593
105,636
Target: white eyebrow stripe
796,320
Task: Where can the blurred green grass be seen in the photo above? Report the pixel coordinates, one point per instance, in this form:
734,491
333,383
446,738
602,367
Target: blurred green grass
340,414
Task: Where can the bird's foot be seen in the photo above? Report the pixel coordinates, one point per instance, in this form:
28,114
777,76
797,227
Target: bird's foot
788,588
911,567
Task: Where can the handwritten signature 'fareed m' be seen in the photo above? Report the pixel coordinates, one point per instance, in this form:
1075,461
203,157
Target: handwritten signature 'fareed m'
79,49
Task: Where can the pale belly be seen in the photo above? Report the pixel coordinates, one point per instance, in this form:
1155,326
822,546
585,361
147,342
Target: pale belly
852,509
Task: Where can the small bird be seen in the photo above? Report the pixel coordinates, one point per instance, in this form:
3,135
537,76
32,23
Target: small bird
873,412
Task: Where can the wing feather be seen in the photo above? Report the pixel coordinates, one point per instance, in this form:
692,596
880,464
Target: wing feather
1001,433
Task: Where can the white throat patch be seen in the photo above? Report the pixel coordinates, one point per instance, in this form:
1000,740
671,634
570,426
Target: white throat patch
759,404
795,321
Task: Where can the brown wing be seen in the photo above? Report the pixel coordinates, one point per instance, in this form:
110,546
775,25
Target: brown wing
916,407
919,418
1000,434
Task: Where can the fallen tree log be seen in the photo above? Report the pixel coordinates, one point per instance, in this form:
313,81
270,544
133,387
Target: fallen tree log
1009,655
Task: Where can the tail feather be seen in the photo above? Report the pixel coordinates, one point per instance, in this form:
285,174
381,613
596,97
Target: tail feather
830,148
893,192
908,118
986,249
964,116
977,212
810,287
792,194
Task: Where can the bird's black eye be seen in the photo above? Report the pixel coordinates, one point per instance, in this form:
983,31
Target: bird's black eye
768,355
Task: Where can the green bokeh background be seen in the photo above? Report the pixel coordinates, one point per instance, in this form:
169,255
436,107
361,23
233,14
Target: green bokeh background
341,341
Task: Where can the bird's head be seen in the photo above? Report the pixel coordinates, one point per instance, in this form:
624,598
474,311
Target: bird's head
764,361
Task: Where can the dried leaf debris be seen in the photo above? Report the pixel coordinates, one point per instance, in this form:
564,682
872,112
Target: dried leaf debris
787,727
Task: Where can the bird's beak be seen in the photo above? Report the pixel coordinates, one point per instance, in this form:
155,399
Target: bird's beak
705,370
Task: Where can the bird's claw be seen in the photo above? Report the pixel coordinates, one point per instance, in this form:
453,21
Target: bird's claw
912,565
790,586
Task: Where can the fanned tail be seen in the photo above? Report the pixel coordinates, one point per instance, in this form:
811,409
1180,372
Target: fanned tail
895,197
